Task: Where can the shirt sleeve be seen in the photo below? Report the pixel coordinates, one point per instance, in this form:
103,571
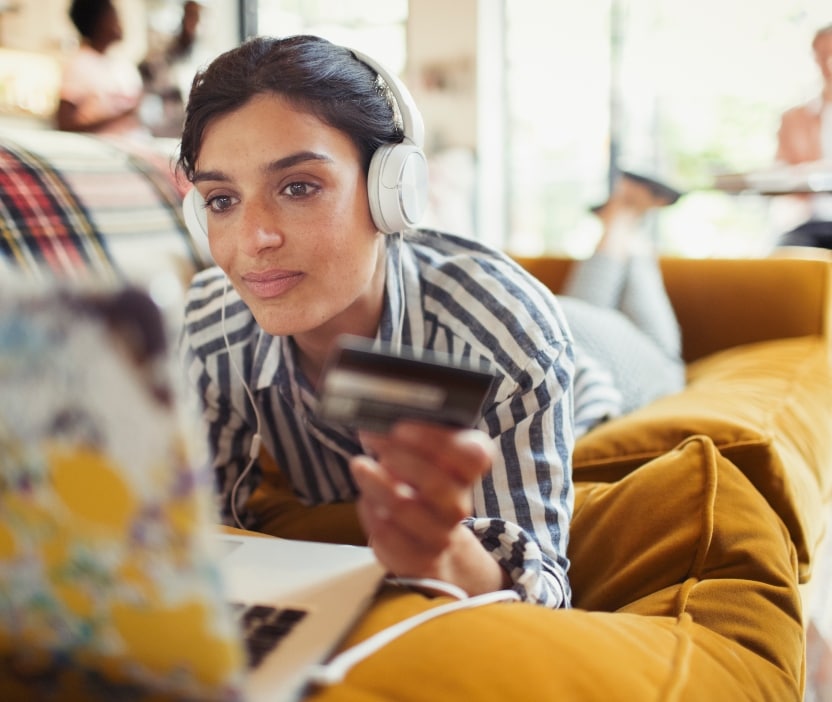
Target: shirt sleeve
597,399
524,506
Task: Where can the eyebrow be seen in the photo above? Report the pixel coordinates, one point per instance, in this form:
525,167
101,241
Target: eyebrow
278,165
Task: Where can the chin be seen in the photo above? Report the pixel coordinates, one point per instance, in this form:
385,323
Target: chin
282,322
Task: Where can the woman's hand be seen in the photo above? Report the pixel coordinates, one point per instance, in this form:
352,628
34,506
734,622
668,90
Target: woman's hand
415,490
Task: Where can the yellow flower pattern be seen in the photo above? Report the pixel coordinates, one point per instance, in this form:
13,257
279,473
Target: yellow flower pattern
107,586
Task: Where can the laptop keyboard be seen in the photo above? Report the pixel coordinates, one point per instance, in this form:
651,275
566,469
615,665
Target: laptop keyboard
264,627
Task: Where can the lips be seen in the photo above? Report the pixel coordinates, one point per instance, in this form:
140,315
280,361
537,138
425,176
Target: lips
272,283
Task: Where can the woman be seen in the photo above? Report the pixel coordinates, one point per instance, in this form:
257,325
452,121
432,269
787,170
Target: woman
167,71
100,93
278,140
804,140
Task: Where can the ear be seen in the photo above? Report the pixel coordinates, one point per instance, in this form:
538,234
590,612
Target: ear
397,182
397,186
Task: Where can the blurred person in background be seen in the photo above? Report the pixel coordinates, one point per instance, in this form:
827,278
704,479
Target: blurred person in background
167,72
805,138
100,92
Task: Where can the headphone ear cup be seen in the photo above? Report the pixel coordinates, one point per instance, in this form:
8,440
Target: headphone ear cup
397,187
196,220
193,209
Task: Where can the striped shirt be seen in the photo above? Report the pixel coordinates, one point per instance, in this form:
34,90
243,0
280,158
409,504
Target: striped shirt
443,293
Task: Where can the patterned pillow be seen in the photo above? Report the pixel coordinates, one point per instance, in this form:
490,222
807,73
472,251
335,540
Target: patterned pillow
76,205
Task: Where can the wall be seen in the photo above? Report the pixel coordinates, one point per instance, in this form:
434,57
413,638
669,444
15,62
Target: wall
441,70
458,88
37,25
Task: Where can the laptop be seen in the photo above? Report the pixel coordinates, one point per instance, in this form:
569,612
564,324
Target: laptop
115,582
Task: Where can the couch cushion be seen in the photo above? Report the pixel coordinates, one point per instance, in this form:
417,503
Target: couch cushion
702,575
767,407
278,512
693,536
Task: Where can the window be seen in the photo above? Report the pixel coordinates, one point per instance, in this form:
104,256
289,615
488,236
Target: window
681,90
557,78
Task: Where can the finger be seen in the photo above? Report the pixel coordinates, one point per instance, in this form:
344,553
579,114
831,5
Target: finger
445,498
400,554
464,453
436,460
460,448
403,547
371,442
440,463
376,488
386,502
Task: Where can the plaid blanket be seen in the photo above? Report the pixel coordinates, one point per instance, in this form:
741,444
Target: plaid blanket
42,221
76,205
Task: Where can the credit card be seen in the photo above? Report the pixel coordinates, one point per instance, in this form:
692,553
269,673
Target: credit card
372,389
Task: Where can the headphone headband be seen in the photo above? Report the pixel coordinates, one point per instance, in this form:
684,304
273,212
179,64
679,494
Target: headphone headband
412,124
397,182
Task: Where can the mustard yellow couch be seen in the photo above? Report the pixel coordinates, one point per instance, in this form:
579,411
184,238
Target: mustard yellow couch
697,518
697,522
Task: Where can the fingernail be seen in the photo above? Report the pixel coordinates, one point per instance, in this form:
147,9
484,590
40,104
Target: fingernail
404,491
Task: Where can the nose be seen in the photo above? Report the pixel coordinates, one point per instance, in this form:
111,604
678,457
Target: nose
259,227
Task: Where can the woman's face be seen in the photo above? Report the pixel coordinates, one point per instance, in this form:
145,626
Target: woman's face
289,221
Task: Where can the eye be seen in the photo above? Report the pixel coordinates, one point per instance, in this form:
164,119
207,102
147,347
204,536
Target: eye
219,203
300,189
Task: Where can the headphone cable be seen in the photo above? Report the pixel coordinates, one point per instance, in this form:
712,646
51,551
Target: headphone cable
256,440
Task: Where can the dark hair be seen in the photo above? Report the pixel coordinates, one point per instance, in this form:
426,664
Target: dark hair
317,76
86,14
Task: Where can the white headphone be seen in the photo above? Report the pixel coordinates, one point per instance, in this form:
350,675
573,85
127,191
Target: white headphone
397,181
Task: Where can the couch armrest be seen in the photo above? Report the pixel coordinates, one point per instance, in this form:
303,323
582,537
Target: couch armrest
722,303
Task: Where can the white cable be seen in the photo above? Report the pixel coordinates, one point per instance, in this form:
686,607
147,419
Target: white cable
256,440
401,292
335,671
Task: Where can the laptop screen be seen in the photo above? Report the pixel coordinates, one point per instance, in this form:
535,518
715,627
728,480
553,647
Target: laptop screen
108,583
